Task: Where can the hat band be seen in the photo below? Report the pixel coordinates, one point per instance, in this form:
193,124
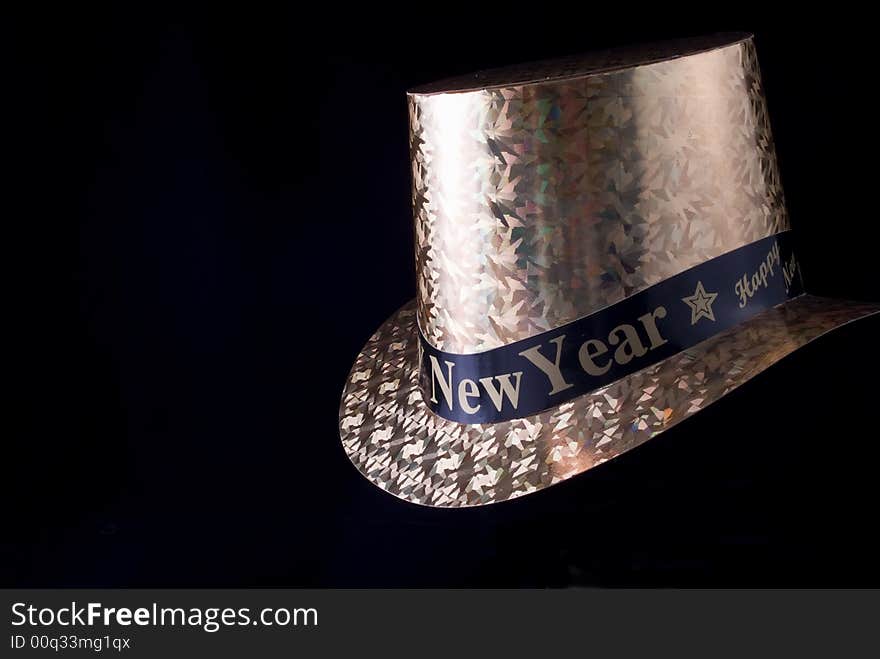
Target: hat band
523,378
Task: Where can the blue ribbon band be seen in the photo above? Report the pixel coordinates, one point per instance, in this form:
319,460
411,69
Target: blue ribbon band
532,375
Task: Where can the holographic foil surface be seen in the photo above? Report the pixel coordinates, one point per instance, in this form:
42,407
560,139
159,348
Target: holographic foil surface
546,194
538,203
400,445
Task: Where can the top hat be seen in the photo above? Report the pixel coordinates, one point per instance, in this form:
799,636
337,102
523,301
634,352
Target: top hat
602,249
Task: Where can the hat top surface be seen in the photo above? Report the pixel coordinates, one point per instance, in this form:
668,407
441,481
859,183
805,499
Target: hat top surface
535,205
585,64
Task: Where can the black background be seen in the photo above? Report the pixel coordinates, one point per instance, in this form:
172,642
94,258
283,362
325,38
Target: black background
208,216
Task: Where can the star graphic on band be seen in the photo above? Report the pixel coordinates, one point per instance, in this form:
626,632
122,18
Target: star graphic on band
701,304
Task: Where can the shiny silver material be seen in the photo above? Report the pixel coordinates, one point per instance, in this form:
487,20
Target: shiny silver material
394,439
541,195
536,204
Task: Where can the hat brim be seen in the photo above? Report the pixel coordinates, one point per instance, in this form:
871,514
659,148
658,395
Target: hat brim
400,445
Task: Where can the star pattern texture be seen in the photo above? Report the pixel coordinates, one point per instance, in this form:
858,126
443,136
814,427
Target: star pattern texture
537,204
394,439
541,200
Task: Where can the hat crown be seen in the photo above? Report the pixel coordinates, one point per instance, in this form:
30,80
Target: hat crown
539,202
